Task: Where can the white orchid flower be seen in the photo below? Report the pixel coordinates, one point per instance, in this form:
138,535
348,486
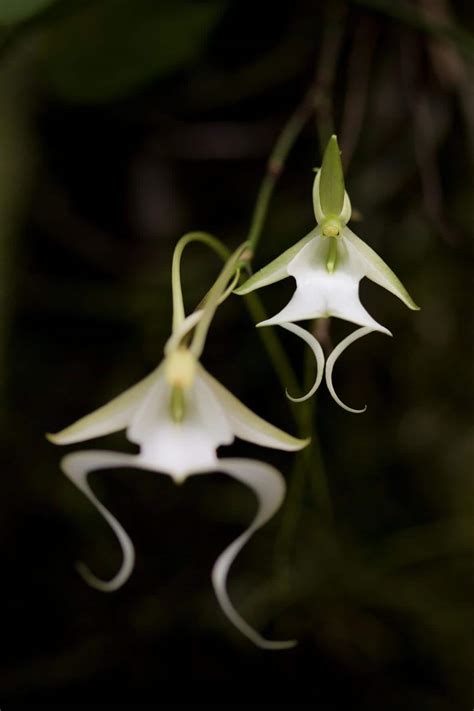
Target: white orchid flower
179,415
328,265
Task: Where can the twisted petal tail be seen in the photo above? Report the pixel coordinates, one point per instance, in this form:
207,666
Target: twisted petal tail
269,488
338,350
76,467
315,346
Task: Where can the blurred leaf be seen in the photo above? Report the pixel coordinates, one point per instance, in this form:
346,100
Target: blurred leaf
115,46
12,11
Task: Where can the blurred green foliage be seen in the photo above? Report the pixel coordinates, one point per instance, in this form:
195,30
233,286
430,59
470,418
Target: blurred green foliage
12,11
110,48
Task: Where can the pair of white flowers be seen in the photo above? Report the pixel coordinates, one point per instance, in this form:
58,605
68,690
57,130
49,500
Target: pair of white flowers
179,415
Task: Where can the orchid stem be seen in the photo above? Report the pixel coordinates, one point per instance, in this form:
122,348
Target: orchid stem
275,165
276,352
204,238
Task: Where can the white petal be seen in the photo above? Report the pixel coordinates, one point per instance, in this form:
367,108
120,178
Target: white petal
112,417
376,269
277,269
179,448
338,350
246,424
269,487
77,466
313,343
323,294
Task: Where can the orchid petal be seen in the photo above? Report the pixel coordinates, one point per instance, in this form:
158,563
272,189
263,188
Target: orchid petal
269,488
246,424
338,350
179,448
277,269
112,417
315,346
376,269
76,467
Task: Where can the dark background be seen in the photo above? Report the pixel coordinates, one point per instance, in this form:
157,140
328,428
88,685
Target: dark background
123,125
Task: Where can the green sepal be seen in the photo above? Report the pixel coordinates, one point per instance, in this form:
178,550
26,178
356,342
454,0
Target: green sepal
112,417
331,182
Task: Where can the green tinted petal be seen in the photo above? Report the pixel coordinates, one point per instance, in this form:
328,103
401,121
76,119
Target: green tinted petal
276,270
112,417
378,271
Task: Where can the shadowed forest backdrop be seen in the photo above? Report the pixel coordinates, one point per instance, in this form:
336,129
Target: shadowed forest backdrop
123,125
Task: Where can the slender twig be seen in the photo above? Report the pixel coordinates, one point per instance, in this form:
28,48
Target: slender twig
326,71
411,15
317,101
275,165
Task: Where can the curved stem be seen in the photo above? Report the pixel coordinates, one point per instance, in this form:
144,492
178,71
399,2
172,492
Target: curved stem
276,352
213,298
275,165
205,238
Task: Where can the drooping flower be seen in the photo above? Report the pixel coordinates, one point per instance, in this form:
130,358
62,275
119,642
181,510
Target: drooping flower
328,265
179,415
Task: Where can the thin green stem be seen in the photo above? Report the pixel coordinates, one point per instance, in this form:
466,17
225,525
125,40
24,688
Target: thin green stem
213,298
309,461
276,353
275,165
204,238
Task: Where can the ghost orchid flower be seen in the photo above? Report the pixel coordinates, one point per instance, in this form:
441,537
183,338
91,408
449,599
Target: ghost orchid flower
179,415
328,265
